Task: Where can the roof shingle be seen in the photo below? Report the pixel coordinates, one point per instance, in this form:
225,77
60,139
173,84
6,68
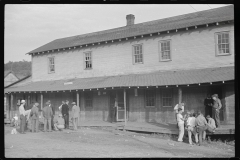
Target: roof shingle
177,22
182,77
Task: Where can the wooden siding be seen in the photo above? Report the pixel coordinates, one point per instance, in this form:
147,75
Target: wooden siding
230,104
137,111
189,49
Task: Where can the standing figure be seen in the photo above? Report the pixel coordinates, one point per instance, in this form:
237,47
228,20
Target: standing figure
180,120
180,105
53,113
47,114
200,123
65,113
208,102
217,105
34,114
115,110
191,128
75,115
22,117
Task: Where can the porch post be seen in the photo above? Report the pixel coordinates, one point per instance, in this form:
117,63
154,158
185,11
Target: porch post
125,108
11,106
41,101
78,99
179,95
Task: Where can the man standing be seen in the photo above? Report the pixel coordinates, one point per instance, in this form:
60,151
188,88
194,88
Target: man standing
217,105
65,113
75,114
53,113
180,121
200,123
34,116
180,105
208,102
191,128
47,114
22,117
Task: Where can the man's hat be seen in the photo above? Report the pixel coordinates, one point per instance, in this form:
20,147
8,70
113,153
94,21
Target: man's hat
22,101
47,102
215,95
60,115
208,116
73,102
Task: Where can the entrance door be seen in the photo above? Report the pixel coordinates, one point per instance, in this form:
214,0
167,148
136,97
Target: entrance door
218,90
120,106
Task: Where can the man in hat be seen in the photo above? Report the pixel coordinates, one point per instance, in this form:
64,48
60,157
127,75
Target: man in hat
59,125
75,115
53,113
22,117
65,113
208,102
47,114
34,114
180,120
180,105
217,105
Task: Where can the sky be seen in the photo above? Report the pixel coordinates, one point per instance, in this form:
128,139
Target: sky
29,26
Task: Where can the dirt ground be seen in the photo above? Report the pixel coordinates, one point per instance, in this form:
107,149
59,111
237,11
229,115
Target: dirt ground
104,142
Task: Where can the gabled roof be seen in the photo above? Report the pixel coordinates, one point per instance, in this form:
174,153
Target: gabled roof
20,80
182,77
6,73
166,24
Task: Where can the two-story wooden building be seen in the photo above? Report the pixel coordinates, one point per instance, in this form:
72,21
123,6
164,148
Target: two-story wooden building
147,67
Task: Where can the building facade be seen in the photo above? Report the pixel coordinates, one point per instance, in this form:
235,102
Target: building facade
145,68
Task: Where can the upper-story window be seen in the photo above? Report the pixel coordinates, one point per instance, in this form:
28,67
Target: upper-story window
150,97
222,43
137,54
88,60
51,65
165,50
167,98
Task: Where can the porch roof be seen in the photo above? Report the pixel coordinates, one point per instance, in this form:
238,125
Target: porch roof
159,78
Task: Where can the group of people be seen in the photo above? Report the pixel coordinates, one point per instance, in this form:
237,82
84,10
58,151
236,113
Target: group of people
48,112
195,123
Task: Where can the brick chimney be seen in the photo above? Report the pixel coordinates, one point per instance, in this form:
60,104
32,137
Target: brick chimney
130,19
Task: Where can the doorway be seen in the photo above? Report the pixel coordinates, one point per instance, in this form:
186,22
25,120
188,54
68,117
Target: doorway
117,99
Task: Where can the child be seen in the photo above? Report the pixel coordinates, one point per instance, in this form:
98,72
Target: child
14,124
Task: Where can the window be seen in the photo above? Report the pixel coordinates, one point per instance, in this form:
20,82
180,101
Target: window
88,99
165,50
137,54
167,98
88,60
150,98
222,42
51,65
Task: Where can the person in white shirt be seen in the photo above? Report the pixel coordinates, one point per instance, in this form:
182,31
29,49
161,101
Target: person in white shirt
191,128
180,105
22,117
211,126
180,120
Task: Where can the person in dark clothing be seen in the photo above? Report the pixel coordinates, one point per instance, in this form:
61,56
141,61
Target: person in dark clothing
208,102
65,113
53,113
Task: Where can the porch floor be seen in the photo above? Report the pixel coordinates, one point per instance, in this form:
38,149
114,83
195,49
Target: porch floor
150,127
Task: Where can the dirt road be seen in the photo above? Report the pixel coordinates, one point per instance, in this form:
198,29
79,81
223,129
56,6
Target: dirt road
97,142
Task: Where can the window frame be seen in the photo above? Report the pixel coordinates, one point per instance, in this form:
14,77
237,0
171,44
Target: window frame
49,70
160,50
145,95
162,96
216,43
84,60
86,95
133,54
